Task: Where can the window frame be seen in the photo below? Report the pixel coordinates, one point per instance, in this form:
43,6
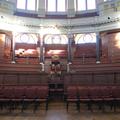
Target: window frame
80,38
19,38
50,39
26,4
86,6
56,7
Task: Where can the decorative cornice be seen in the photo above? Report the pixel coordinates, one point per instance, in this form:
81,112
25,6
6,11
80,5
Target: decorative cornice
78,24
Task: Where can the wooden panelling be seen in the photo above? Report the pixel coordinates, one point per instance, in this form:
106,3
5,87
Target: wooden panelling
1,78
117,77
87,50
67,79
56,47
20,68
22,79
103,78
25,46
85,74
27,60
100,68
82,78
10,79
110,47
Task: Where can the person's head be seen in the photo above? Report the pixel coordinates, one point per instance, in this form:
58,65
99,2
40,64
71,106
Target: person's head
55,57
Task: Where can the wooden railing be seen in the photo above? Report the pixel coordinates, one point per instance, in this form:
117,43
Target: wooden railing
20,68
95,68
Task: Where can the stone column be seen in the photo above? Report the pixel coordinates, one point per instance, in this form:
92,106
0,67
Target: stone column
2,44
69,59
13,48
98,41
38,47
70,39
42,59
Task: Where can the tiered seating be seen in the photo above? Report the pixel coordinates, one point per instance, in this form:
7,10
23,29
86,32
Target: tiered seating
71,96
83,95
94,94
12,96
116,96
102,95
56,89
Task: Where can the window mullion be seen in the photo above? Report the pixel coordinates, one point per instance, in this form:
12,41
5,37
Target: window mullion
46,5
86,5
56,6
66,5
26,2
76,5
36,3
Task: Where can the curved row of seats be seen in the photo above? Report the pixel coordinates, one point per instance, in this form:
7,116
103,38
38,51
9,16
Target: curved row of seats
13,95
93,94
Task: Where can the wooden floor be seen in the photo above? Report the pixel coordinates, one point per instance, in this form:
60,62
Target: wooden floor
57,111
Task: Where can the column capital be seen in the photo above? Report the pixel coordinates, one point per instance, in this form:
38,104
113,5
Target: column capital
70,35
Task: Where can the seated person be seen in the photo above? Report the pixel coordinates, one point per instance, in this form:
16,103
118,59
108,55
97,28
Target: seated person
55,65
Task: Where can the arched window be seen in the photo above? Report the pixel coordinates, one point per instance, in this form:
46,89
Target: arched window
26,38
85,38
56,39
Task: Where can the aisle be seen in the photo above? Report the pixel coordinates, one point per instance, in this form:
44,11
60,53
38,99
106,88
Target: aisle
57,111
